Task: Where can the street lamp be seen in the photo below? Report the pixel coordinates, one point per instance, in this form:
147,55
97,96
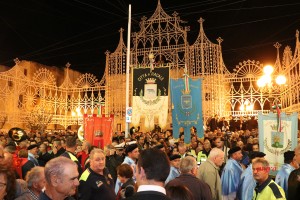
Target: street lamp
266,82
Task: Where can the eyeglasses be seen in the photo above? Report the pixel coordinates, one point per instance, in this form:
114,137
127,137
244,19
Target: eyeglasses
259,169
2,185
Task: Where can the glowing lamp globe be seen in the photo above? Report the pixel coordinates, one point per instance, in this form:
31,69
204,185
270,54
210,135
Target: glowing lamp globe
261,82
151,56
242,108
268,69
280,80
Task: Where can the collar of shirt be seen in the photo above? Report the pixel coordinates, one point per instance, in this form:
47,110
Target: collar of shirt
259,188
175,169
129,161
288,166
30,155
236,162
156,188
43,196
34,197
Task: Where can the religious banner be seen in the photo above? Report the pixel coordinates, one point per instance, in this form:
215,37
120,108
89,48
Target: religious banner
277,134
186,106
150,96
98,130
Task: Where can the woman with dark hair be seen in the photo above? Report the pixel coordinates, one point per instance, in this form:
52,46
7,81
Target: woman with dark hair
125,174
174,150
146,145
7,182
179,192
181,136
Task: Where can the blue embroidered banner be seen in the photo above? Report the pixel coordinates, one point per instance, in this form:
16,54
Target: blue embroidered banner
186,107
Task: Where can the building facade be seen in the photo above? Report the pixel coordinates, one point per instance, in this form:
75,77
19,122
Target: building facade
28,86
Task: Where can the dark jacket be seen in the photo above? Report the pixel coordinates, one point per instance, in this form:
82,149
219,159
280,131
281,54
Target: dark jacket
223,124
43,196
26,168
293,185
94,186
241,125
199,189
126,190
232,126
112,162
59,152
213,124
252,124
148,195
71,156
44,158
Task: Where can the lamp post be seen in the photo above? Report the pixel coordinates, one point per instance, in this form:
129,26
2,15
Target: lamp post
266,82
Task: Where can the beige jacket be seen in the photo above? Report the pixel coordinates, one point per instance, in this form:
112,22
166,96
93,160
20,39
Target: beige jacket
209,173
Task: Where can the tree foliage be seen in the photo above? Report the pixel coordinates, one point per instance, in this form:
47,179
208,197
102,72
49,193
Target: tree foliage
38,119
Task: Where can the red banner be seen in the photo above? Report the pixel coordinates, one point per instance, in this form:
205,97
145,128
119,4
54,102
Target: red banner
98,130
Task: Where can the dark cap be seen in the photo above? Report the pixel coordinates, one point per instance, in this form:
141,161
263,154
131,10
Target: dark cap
159,146
130,148
174,156
32,146
256,154
234,149
289,156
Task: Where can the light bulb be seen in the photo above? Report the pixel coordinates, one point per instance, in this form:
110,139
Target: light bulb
268,69
280,80
261,82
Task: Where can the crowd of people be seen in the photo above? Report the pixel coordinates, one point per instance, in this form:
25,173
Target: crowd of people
224,164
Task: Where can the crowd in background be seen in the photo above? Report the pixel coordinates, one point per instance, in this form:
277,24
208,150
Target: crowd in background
201,169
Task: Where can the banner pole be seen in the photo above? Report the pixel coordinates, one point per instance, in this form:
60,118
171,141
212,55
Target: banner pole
127,69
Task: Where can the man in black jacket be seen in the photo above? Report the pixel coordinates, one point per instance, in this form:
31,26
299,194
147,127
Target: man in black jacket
70,152
213,124
294,179
57,148
96,182
153,168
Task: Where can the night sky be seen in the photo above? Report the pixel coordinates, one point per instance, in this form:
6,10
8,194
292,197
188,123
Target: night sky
54,32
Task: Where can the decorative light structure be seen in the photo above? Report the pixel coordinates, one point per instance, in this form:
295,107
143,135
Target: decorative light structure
77,114
266,81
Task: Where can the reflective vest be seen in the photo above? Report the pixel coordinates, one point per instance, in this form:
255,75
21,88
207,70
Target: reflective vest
72,157
269,191
201,157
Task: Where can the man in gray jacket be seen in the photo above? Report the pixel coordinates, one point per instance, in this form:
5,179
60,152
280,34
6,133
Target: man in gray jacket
209,172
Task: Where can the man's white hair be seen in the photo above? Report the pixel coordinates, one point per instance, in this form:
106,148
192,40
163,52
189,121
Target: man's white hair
214,153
